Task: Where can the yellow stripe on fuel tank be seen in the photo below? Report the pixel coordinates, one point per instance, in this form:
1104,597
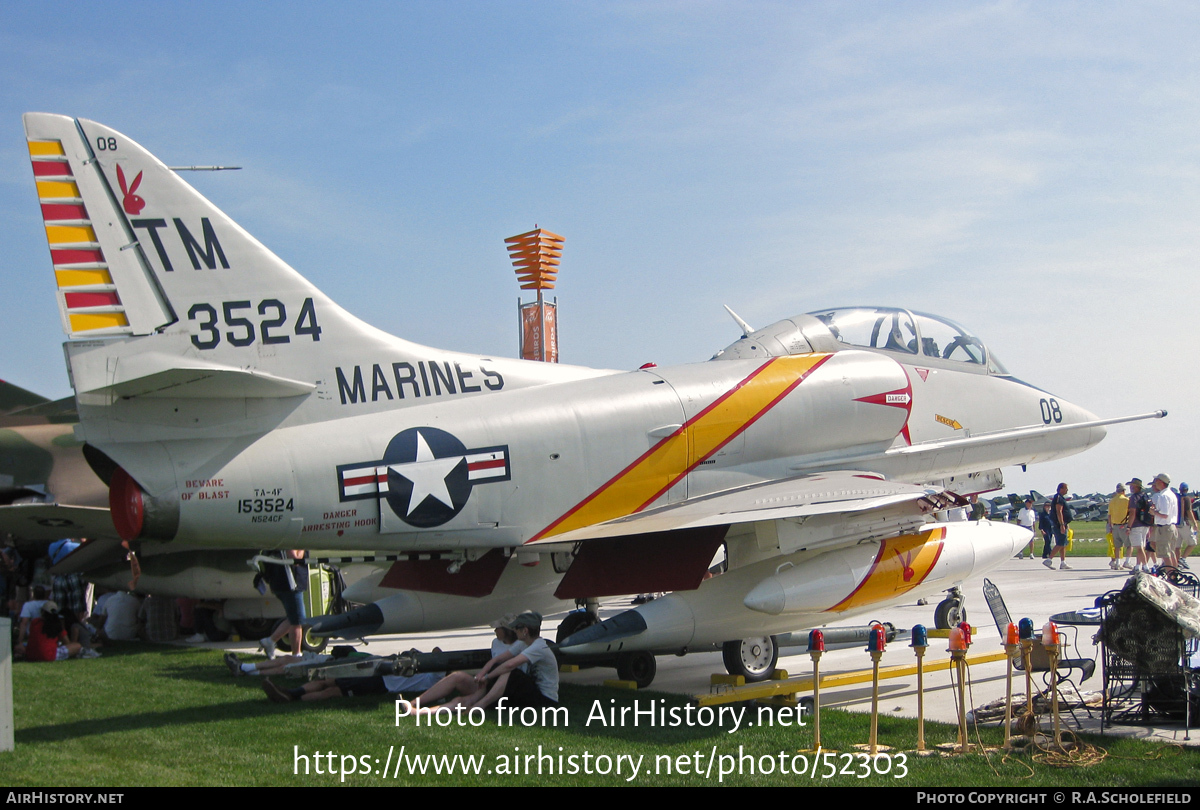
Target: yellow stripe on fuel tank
661,467
82,278
68,234
87,322
39,148
902,564
57,189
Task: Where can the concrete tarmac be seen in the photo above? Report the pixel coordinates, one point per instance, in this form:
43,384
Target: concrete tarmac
1029,590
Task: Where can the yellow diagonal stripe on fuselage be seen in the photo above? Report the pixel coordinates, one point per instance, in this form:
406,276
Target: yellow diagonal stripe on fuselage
649,477
913,555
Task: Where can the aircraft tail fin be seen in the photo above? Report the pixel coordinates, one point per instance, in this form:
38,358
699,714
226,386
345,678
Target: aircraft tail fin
136,249
165,297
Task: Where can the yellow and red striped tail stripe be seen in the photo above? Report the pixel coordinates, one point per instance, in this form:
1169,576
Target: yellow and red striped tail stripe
88,297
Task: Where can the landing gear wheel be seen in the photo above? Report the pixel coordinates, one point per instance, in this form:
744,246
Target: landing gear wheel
213,626
639,667
752,658
949,613
574,621
251,629
308,641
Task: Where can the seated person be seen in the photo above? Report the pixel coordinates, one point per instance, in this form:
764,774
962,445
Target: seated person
48,638
279,664
30,611
327,688
527,677
439,684
117,615
79,632
467,688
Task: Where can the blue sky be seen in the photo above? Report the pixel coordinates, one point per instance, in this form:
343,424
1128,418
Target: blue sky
1028,169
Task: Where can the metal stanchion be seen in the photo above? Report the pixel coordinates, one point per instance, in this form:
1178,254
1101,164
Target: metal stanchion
1025,634
920,643
1012,642
816,646
1050,641
959,642
875,644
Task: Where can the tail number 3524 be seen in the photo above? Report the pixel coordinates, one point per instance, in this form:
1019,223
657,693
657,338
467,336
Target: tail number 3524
241,330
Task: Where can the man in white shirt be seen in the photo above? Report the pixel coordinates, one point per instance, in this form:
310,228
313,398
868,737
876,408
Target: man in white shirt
538,687
1165,509
1027,518
120,612
30,611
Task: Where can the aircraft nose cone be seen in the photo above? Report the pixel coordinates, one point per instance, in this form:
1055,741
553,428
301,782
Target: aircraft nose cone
997,543
599,637
767,597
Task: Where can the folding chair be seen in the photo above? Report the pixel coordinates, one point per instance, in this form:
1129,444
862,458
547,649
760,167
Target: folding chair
1039,660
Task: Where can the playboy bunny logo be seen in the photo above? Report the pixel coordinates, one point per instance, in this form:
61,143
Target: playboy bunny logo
906,560
132,203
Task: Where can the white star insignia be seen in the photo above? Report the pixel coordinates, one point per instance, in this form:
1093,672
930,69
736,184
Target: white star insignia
428,475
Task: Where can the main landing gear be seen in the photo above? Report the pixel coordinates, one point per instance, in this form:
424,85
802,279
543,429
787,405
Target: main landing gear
586,613
752,658
951,610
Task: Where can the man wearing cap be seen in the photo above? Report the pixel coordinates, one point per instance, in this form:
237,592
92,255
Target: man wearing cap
1139,520
1118,510
1165,508
1186,526
535,686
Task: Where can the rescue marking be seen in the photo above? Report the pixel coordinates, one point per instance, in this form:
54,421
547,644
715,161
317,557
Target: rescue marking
946,420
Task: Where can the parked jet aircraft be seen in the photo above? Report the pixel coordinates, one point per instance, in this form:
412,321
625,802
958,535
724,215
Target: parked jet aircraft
227,402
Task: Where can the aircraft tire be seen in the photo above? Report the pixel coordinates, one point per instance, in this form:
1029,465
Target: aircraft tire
573,622
639,667
254,628
211,625
949,613
308,641
752,658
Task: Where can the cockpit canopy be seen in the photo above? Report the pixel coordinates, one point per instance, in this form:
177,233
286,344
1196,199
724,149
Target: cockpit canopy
916,334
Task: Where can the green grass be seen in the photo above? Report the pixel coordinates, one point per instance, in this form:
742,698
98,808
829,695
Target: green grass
150,715
1089,539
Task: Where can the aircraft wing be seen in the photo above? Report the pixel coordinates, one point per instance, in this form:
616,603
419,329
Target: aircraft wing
1012,436
52,521
805,496
14,397
673,545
